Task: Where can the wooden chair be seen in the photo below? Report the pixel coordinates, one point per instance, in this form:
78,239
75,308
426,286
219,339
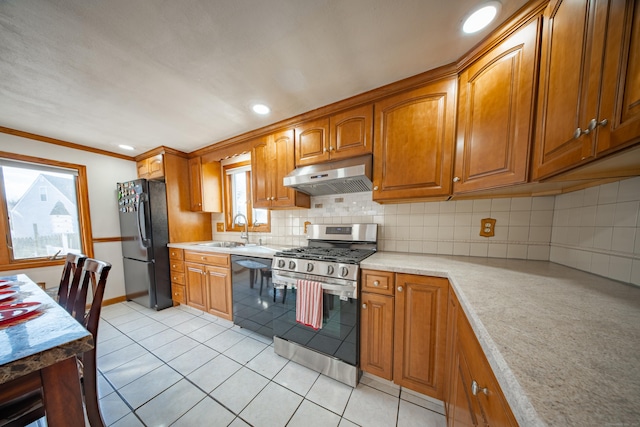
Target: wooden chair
28,406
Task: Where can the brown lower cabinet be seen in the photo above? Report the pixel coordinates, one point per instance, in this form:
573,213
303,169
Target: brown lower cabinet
412,332
208,283
176,267
403,330
475,398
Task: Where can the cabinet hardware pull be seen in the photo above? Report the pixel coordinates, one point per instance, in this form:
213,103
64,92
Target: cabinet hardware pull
364,306
331,148
579,132
456,179
376,283
399,288
475,388
375,188
593,123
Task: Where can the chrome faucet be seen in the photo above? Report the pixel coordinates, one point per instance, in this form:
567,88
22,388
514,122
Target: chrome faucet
245,234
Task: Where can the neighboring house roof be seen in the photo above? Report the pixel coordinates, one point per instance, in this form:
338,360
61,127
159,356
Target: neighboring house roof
59,209
32,212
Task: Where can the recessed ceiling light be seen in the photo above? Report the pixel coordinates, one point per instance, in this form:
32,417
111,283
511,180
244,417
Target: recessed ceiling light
126,147
261,109
481,17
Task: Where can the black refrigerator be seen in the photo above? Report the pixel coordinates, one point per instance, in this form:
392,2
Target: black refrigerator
145,233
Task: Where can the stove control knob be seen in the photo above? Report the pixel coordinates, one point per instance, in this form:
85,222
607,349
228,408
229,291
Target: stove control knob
281,263
309,266
292,265
330,269
344,271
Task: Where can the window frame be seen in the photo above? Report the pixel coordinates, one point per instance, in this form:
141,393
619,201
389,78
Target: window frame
228,201
84,219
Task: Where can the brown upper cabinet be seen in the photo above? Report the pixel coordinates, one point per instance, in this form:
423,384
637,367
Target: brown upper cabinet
206,185
496,114
413,143
342,135
589,101
151,167
272,159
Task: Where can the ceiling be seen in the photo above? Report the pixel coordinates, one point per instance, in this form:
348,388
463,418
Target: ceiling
184,74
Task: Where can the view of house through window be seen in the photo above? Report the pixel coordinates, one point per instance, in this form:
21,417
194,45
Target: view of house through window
42,209
238,200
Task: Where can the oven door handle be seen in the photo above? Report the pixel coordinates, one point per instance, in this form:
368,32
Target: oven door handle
280,282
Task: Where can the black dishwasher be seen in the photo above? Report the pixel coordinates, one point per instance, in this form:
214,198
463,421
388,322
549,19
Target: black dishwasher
253,305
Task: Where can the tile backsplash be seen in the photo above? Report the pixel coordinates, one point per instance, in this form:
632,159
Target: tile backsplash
595,229
598,230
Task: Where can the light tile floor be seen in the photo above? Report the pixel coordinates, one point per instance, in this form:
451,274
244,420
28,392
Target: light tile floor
182,367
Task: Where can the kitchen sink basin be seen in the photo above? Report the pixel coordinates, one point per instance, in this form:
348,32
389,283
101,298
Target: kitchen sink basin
221,244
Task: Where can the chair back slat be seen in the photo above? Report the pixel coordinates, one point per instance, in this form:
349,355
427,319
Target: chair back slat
68,287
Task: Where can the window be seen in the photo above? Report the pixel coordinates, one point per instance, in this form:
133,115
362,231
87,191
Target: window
44,206
238,200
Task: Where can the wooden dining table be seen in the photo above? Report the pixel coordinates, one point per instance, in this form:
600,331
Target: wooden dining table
41,346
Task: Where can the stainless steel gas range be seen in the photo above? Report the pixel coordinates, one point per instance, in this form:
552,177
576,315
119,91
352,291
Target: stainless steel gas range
331,260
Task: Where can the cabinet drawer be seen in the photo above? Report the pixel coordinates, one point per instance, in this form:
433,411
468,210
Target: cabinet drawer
178,294
207,258
176,266
177,278
176,254
381,282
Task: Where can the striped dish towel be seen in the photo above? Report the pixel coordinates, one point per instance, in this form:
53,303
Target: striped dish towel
309,303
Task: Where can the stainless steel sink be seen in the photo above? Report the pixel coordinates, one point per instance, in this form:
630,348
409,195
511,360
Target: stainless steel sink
221,244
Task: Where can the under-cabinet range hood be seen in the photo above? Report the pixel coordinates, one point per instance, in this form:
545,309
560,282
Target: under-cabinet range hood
343,176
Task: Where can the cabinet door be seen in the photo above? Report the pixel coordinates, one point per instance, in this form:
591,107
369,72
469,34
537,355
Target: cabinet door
450,364
195,179
462,410
570,74
156,167
495,114
376,335
260,173
420,333
620,103
218,293
311,142
282,164
196,286
143,168
414,143
489,407
350,133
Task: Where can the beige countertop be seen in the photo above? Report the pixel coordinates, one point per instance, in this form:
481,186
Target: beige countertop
260,251
563,344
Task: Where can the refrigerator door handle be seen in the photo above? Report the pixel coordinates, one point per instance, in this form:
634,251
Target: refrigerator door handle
140,204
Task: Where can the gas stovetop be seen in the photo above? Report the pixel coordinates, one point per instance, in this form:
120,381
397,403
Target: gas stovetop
339,255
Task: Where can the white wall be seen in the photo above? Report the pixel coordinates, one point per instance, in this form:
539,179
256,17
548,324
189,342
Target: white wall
103,172
595,230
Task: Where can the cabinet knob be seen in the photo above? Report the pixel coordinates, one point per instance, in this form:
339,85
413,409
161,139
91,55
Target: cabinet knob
456,179
593,123
375,188
376,283
203,258
579,132
364,306
475,388
399,288
331,148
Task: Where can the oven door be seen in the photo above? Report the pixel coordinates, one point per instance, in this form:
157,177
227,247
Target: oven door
339,332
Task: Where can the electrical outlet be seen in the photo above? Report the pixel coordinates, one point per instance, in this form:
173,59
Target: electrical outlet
488,227
220,226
